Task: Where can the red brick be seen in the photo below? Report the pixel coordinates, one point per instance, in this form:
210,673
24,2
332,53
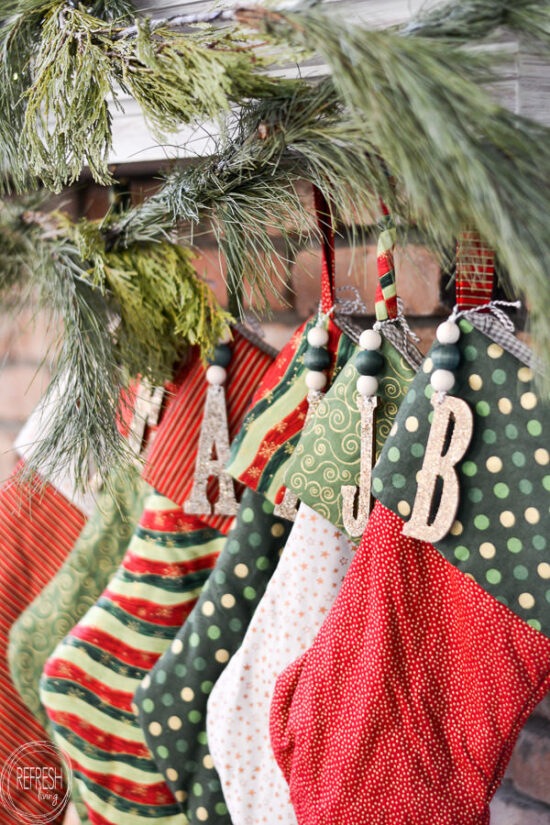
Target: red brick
277,334
529,766
22,388
426,333
417,276
353,268
211,266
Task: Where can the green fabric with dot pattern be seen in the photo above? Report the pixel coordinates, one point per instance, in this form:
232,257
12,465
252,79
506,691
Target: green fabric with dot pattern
174,694
501,536
328,454
77,585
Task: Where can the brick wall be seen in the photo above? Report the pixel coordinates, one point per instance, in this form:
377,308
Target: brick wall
524,797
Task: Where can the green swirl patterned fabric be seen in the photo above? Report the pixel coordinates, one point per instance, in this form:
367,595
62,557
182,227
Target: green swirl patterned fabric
501,536
328,454
76,587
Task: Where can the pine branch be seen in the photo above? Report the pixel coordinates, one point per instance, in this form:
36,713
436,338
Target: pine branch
62,65
117,314
248,188
458,159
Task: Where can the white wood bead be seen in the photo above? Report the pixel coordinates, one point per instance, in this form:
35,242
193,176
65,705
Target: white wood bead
226,337
216,375
367,385
442,380
316,380
317,337
448,332
370,339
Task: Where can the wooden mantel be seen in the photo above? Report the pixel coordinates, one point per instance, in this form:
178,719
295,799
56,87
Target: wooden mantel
524,86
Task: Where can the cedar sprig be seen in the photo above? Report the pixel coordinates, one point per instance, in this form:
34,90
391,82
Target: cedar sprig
113,315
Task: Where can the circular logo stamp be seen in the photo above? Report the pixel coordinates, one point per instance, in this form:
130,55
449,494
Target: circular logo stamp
35,783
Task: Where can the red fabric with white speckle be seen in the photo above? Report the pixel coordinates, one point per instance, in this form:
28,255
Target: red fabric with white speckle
406,708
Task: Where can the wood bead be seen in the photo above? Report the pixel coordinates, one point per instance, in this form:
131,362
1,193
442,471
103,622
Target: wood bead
367,385
448,332
317,337
221,356
370,339
445,357
216,375
316,380
316,358
442,380
369,362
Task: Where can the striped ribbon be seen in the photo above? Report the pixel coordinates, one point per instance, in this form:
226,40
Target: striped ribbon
385,299
475,269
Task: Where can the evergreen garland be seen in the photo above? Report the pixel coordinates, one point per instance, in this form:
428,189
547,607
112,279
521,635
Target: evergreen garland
403,116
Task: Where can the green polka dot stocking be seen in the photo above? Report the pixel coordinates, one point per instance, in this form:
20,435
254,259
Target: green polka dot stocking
171,700
500,535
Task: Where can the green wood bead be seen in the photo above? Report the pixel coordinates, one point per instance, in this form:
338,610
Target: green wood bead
222,356
445,357
316,358
369,362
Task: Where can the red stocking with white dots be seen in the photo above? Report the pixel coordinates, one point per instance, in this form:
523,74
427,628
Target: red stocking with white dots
406,708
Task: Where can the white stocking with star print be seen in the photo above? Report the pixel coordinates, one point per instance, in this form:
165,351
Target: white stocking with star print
298,597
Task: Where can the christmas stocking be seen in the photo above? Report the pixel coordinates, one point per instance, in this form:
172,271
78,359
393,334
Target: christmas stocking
90,680
80,579
272,427
38,529
313,564
74,589
172,698
407,706
343,439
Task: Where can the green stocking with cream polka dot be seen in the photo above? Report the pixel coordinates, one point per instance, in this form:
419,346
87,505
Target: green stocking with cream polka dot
502,530
172,699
